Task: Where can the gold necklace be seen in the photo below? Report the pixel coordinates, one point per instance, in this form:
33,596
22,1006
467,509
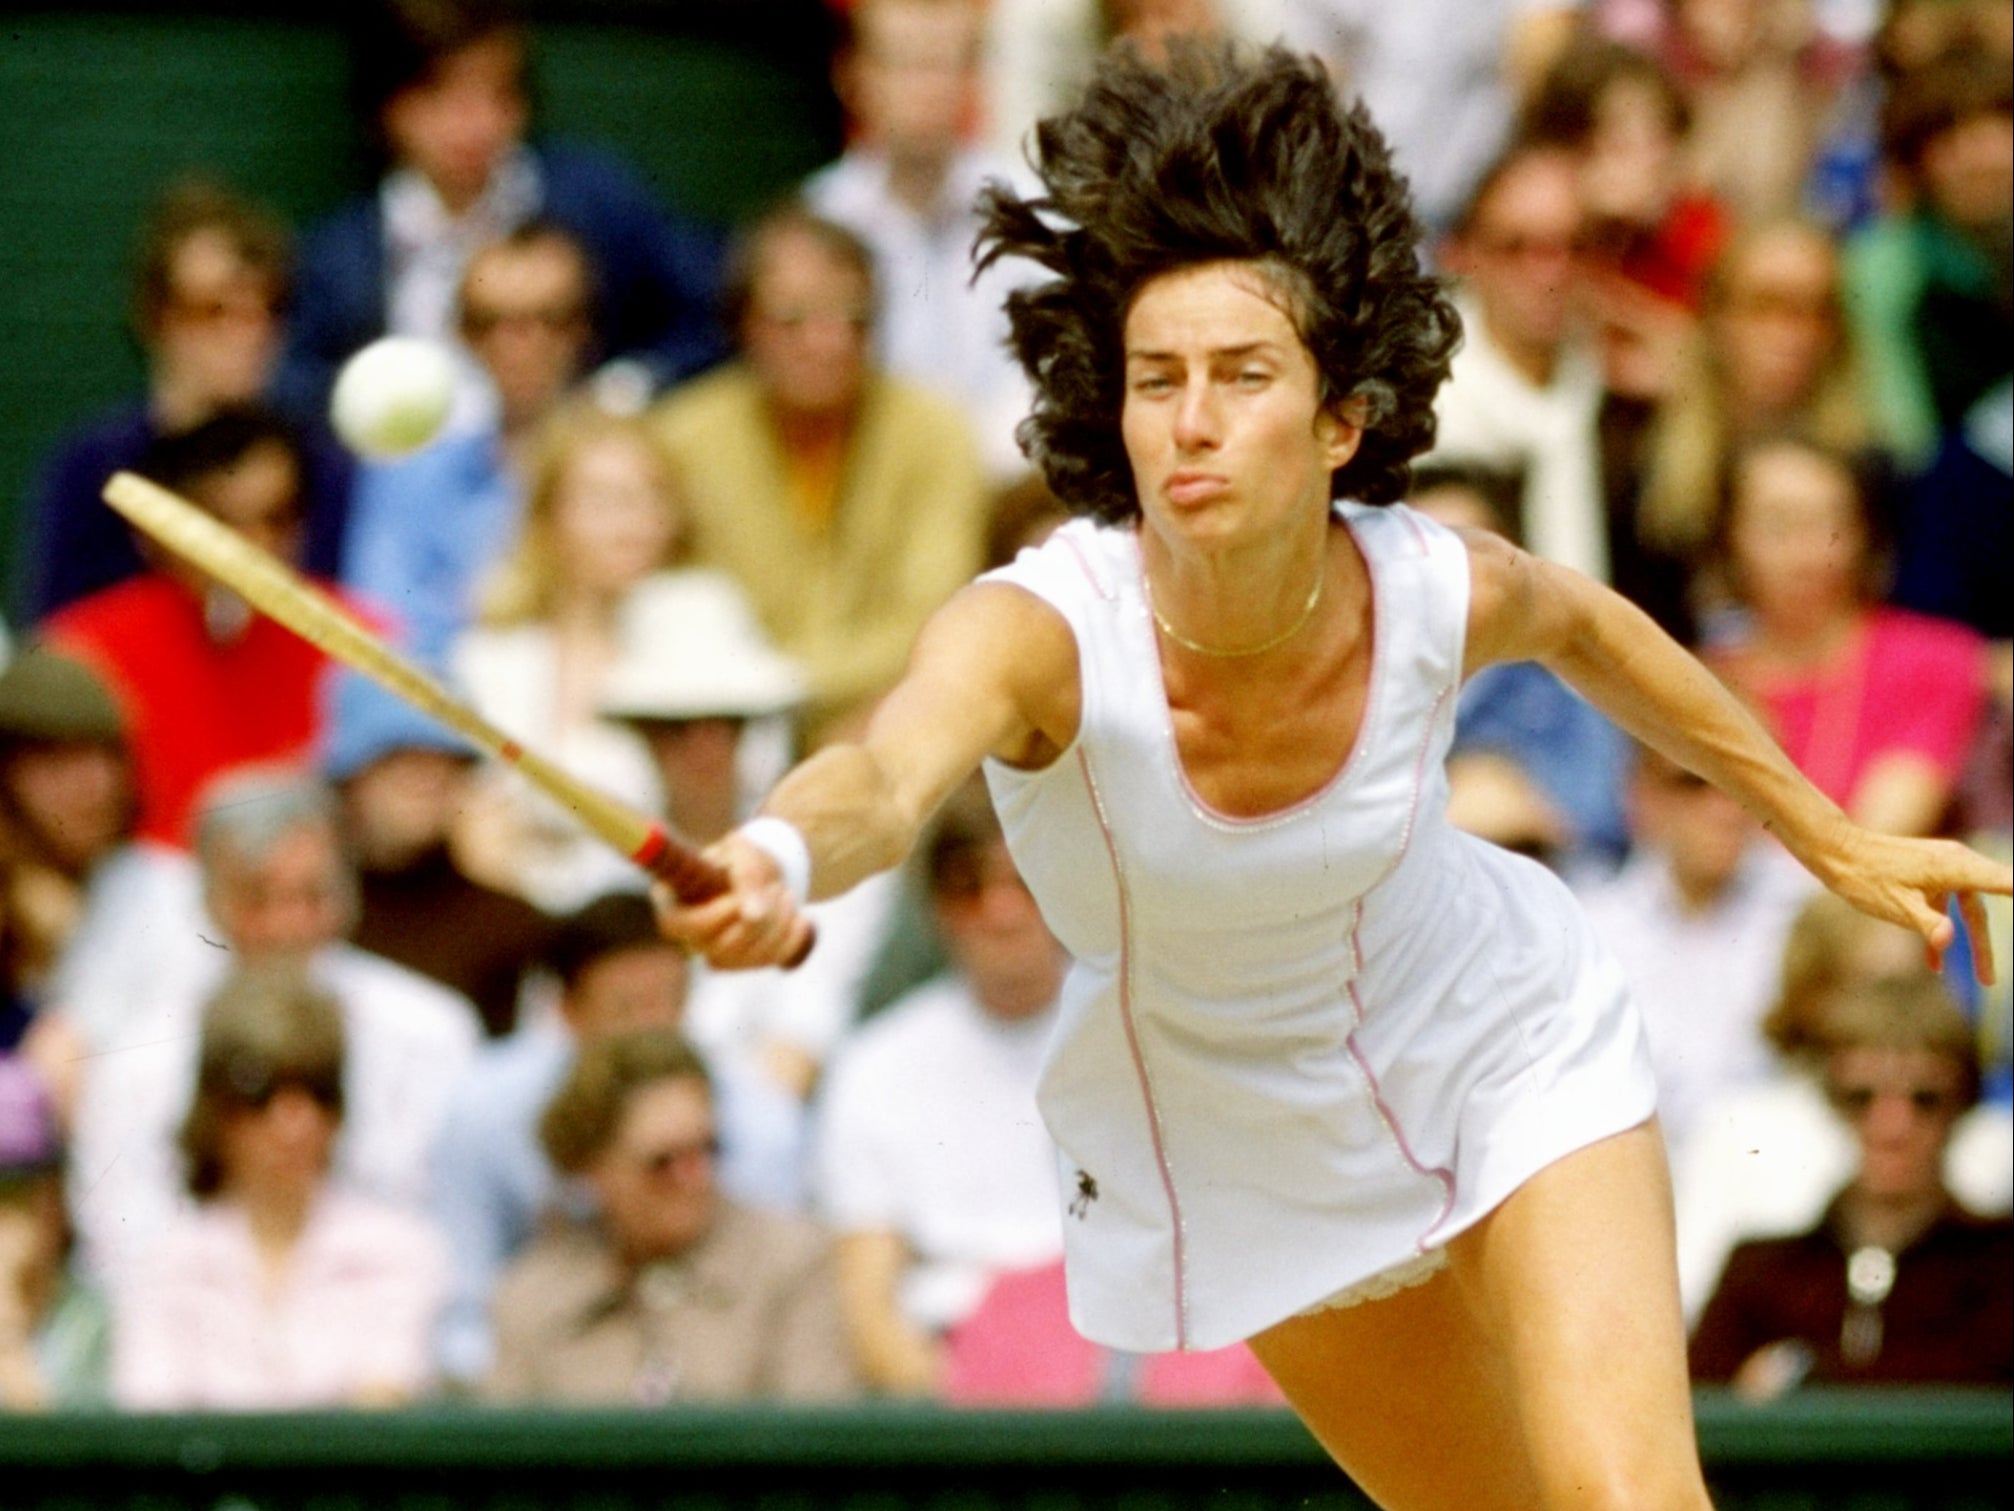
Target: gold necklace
1300,623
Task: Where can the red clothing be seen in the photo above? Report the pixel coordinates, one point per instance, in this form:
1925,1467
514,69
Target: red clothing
1949,1318
1905,682
195,707
1673,259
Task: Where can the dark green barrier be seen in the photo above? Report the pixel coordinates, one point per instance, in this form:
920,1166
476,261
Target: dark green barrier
1871,1451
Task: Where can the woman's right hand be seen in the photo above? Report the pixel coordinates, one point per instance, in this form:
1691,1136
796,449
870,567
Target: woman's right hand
754,923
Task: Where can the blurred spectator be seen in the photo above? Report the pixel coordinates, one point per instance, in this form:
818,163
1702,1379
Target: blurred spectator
427,528
1771,355
1526,384
442,86
209,287
204,683
848,503
1954,539
276,887
1931,286
602,514
492,1181
1697,918
1018,1350
1764,1160
66,802
1649,229
676,1292
1897,1282
281,1290
707,693
1878,706
402,780
929,1157
1760,78
1534,767
1444,79
55,1330
1848,185
698,675
1039,53
908,187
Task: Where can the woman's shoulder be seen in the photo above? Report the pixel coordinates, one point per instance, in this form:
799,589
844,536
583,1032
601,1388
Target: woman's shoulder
1079,558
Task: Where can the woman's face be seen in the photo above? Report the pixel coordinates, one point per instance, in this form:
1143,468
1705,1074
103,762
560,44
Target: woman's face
613,522
1796,536
1222,419
278,1146
74,796
1901,1104
656,1177
1776,324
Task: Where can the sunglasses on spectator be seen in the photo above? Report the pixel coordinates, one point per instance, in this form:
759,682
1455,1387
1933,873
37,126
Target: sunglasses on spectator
220,311
1514,245
256,1091
796,317
1855,1100
663,1161
554,319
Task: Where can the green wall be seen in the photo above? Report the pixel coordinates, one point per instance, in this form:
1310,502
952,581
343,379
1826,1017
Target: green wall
1866,1450
721,104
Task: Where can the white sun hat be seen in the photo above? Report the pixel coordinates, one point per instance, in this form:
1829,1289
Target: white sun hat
692,649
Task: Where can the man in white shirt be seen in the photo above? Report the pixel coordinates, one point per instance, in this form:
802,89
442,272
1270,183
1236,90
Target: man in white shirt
1698,917
907,187
1525,390
929,1158
272,884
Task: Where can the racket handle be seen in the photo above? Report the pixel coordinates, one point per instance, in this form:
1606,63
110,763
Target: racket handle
694,878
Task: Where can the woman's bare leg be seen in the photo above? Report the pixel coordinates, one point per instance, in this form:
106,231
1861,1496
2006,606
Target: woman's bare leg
1409,1397
1576,1275
1544,1368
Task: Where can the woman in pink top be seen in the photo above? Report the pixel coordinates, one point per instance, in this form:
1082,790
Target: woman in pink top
276,1292
1877,706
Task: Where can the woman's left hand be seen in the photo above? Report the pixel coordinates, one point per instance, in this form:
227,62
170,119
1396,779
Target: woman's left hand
1911,882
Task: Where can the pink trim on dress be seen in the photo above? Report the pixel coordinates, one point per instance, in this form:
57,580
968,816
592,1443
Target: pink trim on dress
1439,1173
1133,1045
1102,589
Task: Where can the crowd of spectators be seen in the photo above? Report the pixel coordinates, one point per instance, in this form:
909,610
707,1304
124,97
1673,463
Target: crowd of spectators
338,1067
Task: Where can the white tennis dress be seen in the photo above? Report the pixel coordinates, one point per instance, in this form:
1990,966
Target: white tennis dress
1297,1051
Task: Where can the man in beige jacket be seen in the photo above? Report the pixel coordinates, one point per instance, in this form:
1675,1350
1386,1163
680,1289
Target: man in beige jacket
848,503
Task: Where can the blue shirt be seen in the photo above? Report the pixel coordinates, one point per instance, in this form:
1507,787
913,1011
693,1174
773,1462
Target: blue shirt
1560,740
424,530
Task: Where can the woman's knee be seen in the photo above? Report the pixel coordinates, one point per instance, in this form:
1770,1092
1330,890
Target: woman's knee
1622,1481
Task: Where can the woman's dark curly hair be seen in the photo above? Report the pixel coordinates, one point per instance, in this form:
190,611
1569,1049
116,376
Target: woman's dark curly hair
1218,156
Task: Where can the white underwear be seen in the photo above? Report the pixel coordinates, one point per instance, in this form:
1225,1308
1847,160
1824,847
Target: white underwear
1404,1275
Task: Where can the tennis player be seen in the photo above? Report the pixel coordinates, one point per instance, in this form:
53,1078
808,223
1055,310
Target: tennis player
1330,1076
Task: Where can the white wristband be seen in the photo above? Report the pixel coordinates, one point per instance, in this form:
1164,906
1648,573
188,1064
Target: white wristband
781,841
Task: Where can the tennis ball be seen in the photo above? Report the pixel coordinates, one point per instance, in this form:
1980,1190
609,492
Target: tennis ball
393,396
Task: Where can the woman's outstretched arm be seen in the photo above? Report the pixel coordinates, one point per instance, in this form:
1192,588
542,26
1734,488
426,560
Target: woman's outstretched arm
994,673
1525,609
